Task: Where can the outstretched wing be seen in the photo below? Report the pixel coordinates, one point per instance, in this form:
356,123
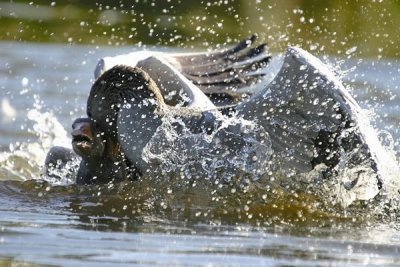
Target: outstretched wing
230,72
312,119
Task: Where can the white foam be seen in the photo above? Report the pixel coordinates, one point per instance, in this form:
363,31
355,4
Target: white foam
25,161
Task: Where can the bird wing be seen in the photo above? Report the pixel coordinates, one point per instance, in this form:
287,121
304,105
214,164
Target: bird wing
230,72
311,119
176,89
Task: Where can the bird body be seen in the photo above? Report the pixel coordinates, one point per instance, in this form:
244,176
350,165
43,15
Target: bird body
201,109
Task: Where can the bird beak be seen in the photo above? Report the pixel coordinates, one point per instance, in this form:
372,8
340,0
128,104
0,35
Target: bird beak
82,136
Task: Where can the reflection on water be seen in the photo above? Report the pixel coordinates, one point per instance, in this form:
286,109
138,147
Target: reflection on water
153,222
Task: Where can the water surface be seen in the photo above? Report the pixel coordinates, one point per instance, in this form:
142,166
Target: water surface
45,86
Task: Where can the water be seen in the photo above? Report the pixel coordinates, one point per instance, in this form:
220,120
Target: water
44,88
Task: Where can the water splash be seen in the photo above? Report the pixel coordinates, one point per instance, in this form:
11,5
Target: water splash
235,149
24,161
239,150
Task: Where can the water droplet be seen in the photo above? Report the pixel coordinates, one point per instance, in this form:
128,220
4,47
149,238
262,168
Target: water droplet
24,82
351,50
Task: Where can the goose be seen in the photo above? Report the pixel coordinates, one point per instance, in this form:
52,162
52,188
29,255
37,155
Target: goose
309,118
221,78
224,76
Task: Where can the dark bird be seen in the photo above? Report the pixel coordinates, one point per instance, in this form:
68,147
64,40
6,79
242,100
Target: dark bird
225,76
310,120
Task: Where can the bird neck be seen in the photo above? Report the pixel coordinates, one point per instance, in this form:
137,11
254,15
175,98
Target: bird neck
136,124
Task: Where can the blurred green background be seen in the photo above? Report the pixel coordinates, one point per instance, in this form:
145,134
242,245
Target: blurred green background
367,28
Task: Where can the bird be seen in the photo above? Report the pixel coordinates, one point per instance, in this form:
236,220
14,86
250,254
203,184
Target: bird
304,118
225,76
210,73
309,116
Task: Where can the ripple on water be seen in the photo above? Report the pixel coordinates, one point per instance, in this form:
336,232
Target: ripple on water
179,220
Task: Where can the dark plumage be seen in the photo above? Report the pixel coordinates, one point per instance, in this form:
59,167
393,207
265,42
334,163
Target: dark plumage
305,110
102,160
227,74
112,90
308,116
